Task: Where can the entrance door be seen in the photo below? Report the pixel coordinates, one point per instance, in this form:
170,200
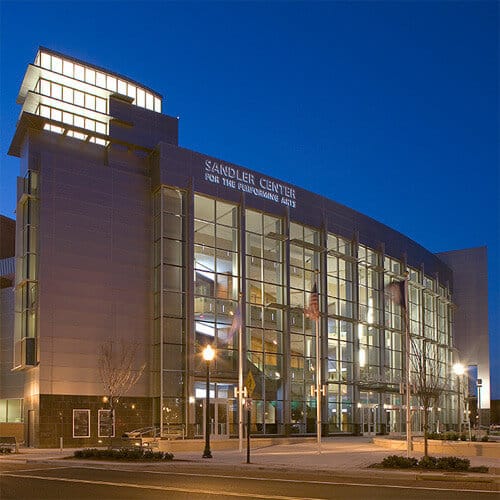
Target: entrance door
368,420
219,418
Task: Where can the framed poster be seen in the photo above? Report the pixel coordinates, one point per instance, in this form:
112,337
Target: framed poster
106,425
81,423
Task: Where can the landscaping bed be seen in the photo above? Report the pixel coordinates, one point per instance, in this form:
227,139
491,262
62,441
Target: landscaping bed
124,454
445,464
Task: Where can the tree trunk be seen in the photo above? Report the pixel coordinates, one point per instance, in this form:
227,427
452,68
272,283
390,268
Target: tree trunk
426,431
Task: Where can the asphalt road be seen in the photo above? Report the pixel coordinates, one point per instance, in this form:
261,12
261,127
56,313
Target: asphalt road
109,481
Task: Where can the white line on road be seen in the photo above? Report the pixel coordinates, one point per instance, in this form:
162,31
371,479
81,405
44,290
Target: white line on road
160,488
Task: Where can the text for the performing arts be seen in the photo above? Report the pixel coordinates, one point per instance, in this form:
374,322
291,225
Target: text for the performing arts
234,178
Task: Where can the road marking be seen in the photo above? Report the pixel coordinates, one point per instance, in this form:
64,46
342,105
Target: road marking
280,480
160,488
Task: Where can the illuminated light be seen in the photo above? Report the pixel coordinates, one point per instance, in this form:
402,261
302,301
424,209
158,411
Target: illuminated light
192,399
105,399
362,357
370,315
133,406
360,331
458,369
208,353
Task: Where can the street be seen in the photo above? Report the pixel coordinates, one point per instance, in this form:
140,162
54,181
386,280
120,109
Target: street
152,481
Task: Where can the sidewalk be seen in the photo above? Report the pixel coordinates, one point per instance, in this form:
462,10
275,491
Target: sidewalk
338,454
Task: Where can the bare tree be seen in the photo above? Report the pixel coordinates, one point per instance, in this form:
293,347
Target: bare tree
425,379
116,368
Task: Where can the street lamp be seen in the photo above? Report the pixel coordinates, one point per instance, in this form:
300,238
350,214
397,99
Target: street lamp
208,355
459,370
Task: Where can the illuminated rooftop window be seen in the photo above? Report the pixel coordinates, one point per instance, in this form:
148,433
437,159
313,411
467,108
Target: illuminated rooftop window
74,96
141,96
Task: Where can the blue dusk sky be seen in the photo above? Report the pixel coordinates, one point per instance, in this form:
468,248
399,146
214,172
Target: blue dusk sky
390,108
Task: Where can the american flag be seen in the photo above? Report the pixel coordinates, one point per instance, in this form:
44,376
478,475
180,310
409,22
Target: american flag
395,290
313,310
236,323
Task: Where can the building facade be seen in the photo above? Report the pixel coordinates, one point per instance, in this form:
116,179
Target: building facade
126,239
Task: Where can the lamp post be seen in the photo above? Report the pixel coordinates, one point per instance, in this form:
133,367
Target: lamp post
208,355
459,370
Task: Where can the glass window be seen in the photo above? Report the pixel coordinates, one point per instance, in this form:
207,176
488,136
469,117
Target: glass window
45,60
45,87
90,101
79,98
100,105
68,68
111,83
79,72
157,105
56,64
122,87
67,94
100,79
90,76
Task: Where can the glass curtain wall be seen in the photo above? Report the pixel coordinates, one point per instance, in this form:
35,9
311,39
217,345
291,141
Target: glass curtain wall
305,253
216,295
340,355
265,304
26,300
363,332
169,324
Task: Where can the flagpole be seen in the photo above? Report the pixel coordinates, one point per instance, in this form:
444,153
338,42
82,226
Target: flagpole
318,387
407,366
318,375
240,380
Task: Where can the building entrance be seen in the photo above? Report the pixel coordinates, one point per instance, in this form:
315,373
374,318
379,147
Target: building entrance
368,420
219,418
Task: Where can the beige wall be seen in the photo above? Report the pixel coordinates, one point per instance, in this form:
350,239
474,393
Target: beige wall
94,262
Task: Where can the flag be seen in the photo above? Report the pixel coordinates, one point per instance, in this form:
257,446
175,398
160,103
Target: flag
313,310
395,290
236,323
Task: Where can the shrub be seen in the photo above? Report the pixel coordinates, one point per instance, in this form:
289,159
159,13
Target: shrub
428,463
485,439
433,463
5,449
398,462
463,437
123,454
451,436
453,463
473,438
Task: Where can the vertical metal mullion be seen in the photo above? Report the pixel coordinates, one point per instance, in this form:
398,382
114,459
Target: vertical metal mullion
286,351
161,308
356,347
